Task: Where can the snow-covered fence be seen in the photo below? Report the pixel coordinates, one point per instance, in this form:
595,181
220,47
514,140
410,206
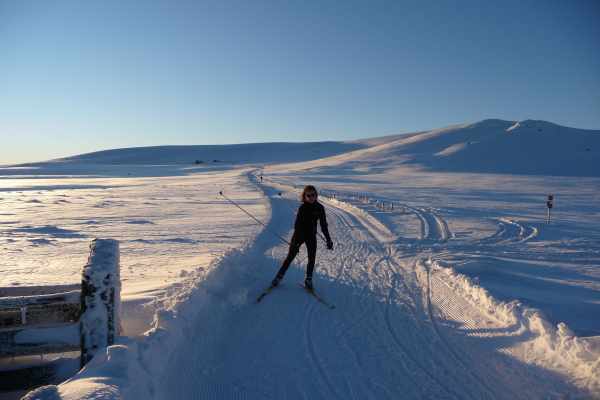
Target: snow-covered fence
86,319
38,324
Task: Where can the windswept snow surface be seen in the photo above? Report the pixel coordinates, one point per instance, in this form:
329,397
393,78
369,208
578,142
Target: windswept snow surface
167,227
447,285
488,261
406,325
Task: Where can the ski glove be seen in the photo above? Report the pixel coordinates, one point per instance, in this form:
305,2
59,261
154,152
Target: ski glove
329,245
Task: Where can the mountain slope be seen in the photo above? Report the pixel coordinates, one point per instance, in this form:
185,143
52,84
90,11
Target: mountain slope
233,153
489,146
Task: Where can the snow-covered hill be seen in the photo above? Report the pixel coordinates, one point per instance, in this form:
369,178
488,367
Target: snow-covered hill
490,146
233,153
527,147
180,160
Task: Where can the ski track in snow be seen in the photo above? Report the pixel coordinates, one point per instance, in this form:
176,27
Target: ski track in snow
449,347
309,343
511,231
398,331
433,227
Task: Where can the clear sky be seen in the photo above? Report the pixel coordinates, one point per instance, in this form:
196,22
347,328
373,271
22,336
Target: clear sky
80,76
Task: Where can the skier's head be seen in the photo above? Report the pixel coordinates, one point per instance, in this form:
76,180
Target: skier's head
309,194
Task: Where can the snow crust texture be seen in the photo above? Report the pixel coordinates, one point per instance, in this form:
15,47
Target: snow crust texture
447,279
554,346
406,324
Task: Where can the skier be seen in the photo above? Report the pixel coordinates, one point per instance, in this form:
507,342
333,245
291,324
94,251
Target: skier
305,231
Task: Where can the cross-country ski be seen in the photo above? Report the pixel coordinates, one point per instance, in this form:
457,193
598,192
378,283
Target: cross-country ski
317,297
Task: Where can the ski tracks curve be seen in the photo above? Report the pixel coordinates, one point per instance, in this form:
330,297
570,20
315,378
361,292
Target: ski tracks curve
510,231
385,339
453,355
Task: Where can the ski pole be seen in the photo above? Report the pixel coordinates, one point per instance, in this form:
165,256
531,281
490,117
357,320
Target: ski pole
253,217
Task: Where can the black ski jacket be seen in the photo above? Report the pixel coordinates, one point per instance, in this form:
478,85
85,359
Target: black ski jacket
305,226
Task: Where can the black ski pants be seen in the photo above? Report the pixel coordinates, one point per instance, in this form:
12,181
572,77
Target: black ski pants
311,247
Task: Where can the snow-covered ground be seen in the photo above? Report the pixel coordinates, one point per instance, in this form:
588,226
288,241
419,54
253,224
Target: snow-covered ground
460,291
167,227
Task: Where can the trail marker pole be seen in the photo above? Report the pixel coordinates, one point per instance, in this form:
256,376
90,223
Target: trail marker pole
549,204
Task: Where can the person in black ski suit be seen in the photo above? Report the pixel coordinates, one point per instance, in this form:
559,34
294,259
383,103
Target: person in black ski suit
305,231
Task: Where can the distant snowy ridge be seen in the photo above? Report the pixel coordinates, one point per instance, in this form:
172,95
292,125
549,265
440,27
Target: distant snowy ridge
179,160
230,153
490,146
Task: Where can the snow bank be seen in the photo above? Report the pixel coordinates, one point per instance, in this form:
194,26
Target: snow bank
131,368
554,347
174,322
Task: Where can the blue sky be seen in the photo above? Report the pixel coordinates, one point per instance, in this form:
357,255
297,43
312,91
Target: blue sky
83,76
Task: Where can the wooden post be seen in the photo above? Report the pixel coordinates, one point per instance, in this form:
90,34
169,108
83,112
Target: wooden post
100,298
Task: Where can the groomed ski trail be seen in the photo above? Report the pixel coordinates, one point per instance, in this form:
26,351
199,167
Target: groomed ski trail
391,335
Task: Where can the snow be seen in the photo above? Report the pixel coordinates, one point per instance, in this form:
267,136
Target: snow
186,226
556,346
462,290
207,154
531,148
